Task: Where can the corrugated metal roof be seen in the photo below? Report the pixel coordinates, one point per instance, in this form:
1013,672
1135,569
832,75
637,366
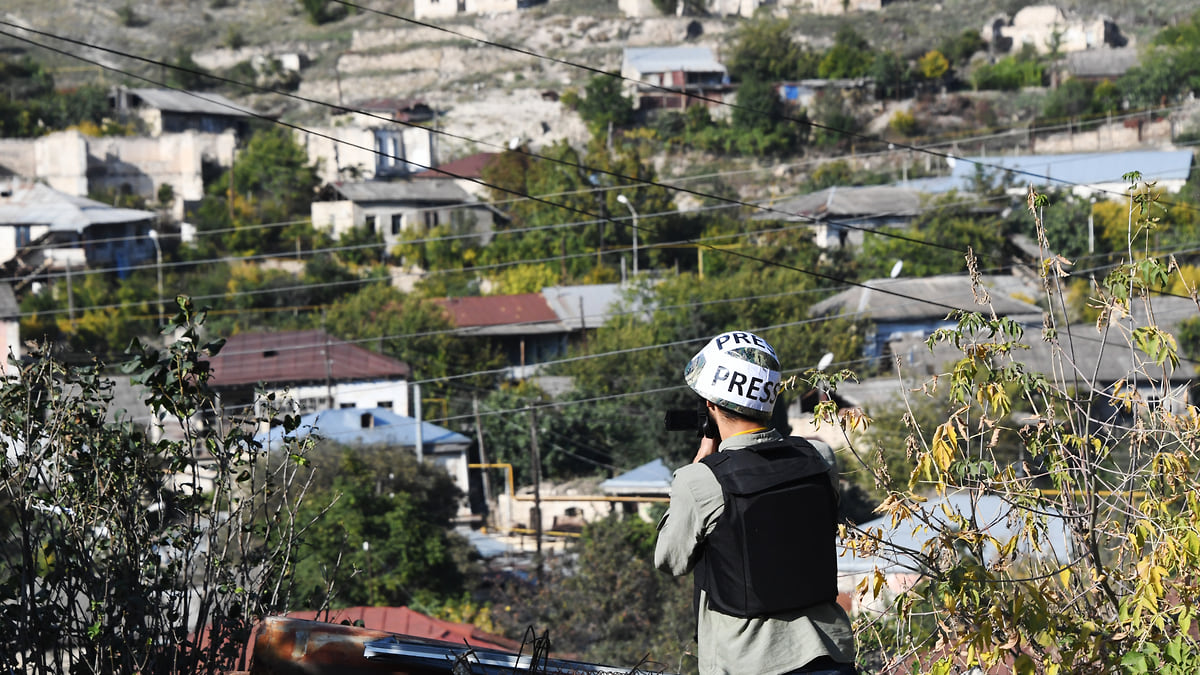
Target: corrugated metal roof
440,189
585,306
920,299
522,312
1065,170
842,202
990,512
30,203
367,426
293,357
669,59
195,102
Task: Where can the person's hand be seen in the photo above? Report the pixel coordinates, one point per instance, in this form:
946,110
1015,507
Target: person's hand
707,447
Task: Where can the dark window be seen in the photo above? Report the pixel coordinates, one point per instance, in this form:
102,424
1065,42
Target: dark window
370,223
431,219
397,222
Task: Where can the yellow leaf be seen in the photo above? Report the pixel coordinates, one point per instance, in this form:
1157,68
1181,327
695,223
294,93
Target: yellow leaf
1064,577
945,445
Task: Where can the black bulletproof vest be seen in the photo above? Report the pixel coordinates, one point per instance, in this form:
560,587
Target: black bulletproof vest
774,548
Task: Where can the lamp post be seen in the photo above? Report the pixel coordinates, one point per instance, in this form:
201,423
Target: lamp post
158,267
625,200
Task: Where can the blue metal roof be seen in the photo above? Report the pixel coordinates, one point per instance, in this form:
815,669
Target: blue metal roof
649,478
365,426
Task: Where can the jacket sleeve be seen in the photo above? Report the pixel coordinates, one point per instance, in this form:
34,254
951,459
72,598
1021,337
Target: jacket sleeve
696,503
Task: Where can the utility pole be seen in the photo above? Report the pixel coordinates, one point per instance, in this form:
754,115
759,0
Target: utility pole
420,441
536,462
487,491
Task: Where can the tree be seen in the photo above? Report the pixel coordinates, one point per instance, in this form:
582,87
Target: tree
759,121
603,104
763,50
150,556
933,66
382,532
607,602
890,73
1107,468
849,57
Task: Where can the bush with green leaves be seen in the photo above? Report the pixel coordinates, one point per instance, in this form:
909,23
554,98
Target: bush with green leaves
125,552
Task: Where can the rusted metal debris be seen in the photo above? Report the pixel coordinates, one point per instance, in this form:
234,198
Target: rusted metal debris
285,646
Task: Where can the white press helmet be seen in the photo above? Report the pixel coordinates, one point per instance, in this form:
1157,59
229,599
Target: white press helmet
738,371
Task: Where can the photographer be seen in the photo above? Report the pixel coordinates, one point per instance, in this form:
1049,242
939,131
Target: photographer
755,520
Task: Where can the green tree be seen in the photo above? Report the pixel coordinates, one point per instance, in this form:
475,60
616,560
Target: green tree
604,104
607,602
763,50
954,227
850,56
890,73
760,123
959,49
382,530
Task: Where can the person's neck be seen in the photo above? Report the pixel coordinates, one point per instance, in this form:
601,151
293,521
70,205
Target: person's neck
737,427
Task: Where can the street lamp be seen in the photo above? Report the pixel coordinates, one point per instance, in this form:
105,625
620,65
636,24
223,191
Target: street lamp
625,200
158,266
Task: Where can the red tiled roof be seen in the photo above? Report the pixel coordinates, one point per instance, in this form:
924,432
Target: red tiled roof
405,621
298,356
497,310
470,166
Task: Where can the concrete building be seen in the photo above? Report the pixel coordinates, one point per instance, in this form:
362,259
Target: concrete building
393,208
840,215
79,165
434,9
45,231
672,77
174,111
368,149
1048,27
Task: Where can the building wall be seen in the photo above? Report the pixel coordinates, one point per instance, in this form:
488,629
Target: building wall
351,153
836,7
490,6
638,8
390,394
61,161
432,9
17,156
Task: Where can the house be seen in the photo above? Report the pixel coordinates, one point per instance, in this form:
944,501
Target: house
673,77
804,93
532,328
369,147
127,165
44,231
641,488
440,9
307,370
1086,174
467,173
839,215
1047,28
523,326
900,308
395,208
380,426
173,111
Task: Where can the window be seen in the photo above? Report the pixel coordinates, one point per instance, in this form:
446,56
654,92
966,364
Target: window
384,404
345,405
397,222
431,219
370,223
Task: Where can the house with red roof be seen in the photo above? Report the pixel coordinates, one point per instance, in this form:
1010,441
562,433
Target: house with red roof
309,368
524,326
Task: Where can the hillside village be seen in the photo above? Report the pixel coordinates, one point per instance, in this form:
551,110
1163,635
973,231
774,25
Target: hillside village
486,235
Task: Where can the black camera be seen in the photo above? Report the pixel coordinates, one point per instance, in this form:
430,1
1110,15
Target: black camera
696,419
